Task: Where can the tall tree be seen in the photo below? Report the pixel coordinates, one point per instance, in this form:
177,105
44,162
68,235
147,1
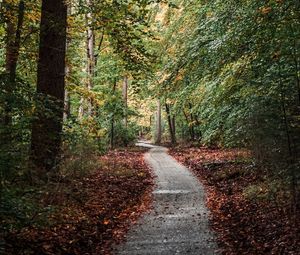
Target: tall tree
47,125
158,123
171,122
125,98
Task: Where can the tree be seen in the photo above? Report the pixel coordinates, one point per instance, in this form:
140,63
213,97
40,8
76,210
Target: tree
9,84
171,122
47,125
125,98
13,39
158,123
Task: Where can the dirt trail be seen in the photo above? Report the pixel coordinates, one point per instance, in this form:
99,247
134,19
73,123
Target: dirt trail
178,223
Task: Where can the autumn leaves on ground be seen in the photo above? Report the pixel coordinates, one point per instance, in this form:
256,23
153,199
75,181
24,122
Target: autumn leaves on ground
88,214
251,210
249,213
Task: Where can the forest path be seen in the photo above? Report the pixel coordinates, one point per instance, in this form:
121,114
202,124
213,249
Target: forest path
178,222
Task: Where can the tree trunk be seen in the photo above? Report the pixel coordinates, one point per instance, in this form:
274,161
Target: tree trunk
81,108
291,153
96,56
158,123
13,34
67,105
171,122
112,128
67,100
125,98
11,58
90,57
47,125
191,127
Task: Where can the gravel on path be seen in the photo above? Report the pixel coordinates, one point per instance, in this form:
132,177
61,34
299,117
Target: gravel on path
178,222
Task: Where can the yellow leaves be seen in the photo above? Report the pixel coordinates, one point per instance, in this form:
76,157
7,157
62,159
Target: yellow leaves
160,17
106,222
12,2
209,14
141,174
265,10
71,21
33,16
164,77
92,127
180,75
97,98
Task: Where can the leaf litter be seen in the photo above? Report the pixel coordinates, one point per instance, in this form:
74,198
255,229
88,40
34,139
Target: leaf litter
243,224
91,213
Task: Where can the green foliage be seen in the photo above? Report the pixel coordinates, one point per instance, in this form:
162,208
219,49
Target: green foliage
15,137
239,69
126,136
275,190
20,208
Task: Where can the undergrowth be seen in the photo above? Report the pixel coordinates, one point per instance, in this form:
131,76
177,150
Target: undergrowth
81,208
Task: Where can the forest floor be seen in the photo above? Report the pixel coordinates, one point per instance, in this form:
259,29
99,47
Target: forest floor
250,213
178,221
90,213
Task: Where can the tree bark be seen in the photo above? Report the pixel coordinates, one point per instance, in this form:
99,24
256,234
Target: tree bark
125,99
81,108
90,56
67,105
191,127
13,34
112,128
47,125
158,123
67,100
171,122
11,58
96,56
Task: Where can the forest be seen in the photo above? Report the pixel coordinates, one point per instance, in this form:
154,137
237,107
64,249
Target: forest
81,81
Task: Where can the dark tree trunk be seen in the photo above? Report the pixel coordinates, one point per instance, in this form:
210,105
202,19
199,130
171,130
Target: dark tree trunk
13,34
190,126
195,123
67,106
47,125
97,55
125,98
68,69
158,123
112,128
90,43
171,122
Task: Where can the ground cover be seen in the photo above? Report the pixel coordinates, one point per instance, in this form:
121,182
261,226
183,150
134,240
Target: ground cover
88,214
250,213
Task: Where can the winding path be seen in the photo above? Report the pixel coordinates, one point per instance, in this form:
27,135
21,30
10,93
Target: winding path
178,223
